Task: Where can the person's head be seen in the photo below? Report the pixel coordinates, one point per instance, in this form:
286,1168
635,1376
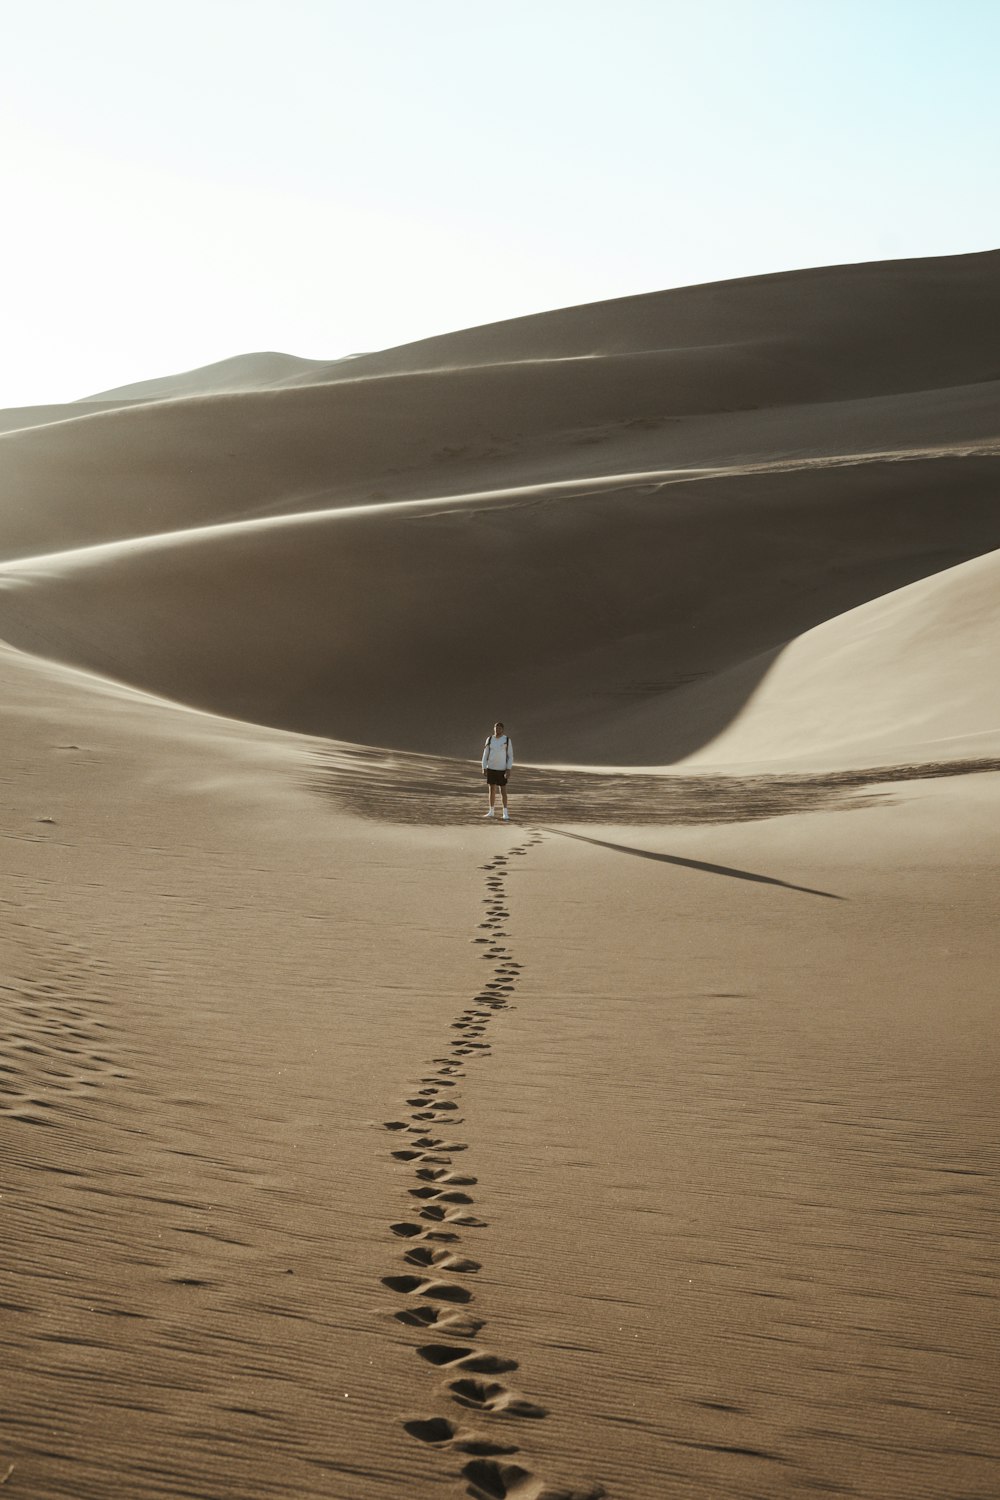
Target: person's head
498,727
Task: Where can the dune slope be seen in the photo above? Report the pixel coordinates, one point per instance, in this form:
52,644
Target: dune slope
408,625
760,368
915,668
709,1187
878,326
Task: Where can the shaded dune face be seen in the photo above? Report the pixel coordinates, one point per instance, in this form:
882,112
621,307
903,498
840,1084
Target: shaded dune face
627,511
404,627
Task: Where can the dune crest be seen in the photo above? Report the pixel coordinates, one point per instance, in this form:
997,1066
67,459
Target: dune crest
242,372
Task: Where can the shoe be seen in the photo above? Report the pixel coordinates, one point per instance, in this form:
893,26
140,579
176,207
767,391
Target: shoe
490,814
506,816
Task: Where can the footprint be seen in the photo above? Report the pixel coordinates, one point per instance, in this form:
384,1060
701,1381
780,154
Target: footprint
439,1431
469,1359
482,1446
439,1291
445,1260
483,1395
430,1429
407,1231
489,1364
441,1174
459,1325
493,1481
438,1215
443,1354
440,1196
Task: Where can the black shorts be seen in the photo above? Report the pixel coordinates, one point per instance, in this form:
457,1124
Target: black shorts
496,778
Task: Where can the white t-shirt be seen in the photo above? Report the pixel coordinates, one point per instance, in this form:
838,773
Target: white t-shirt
499,753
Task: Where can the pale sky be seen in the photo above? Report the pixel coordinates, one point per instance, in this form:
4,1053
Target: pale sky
193,179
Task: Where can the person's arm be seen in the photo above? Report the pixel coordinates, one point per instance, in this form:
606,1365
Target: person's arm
510,753
486,755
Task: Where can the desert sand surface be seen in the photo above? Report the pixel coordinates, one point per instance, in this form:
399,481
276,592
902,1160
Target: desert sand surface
355,1147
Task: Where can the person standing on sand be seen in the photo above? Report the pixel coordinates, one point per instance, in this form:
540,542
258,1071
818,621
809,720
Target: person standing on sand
498,757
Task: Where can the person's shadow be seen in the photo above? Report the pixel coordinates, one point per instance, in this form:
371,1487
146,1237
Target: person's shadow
695,864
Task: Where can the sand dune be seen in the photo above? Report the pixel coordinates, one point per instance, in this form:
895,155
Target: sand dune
605,596
909,675
915,667
677,1144
167,466
17,418
355,1147
890,325
825,362
244,372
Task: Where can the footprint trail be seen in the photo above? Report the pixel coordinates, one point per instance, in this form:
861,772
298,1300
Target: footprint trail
434,1289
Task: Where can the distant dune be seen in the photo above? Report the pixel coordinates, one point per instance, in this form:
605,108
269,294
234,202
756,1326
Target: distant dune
888,325
244,372
823,362
883,326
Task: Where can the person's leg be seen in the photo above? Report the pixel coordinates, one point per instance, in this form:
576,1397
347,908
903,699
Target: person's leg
503,794
491,790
